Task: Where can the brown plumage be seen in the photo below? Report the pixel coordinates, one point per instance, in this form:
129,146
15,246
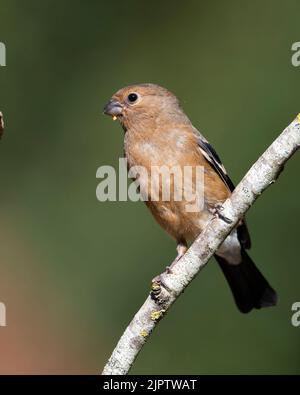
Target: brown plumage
158,133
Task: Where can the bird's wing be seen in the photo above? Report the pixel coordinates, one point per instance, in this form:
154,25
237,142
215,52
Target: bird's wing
214,160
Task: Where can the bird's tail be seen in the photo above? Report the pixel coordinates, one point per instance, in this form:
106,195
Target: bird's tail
249,287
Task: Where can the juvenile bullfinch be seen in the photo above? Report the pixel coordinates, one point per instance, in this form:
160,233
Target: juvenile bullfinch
158,133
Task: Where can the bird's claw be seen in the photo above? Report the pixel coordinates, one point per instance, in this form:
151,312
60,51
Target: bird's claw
157,284
156,288
216,211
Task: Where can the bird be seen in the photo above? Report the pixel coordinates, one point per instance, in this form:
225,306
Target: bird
157,132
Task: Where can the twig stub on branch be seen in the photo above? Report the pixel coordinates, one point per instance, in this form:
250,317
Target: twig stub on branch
1,124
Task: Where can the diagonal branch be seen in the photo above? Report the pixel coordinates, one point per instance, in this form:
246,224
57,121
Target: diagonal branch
1,124
262,174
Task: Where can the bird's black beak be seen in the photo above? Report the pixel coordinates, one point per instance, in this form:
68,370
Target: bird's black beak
113,108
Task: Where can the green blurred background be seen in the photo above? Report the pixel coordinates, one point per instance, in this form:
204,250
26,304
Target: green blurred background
73,271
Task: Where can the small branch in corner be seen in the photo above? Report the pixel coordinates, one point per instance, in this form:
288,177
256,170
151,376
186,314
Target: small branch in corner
1,125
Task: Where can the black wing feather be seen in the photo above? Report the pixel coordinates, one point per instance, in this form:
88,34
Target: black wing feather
214,160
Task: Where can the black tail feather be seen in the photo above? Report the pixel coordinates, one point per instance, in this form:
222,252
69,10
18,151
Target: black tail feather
249,287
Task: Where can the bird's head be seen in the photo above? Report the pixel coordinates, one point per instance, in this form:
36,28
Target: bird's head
143,106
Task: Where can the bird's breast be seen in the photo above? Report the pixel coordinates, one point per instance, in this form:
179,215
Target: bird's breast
177,198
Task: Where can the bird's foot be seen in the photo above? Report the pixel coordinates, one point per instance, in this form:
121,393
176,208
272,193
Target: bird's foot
156,288
157,282
216,210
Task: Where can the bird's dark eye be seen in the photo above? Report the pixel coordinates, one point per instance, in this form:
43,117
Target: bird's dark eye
132,97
